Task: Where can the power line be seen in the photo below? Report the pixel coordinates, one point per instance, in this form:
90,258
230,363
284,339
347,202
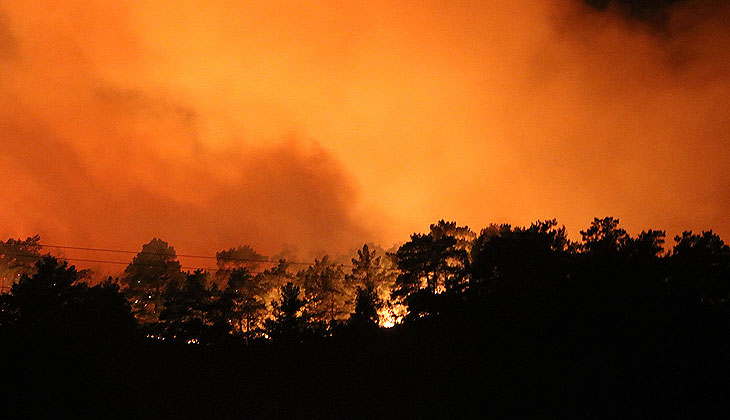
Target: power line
109,262
122,251
160,254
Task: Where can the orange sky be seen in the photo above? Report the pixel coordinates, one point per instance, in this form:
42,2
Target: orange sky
324,124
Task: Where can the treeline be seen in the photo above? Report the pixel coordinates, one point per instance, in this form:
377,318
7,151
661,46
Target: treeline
242,301
450,273
506,322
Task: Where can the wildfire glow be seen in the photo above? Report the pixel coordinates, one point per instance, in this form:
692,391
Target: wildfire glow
219,123
390,316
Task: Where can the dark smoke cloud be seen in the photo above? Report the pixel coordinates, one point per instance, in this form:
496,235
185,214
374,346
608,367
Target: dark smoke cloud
641,9
290,192
657,14
89,160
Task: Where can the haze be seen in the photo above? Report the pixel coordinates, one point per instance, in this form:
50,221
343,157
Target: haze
328,124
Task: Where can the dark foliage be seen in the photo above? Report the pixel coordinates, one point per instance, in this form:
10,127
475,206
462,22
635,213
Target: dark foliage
514,322
152,270
50,308
290,320
367,304
433,268
191,312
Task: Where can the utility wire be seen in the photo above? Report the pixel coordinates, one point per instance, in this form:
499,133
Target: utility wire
160,254
108,262
121,251
224,259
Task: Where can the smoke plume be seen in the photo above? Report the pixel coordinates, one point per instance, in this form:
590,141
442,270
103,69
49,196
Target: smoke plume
218,123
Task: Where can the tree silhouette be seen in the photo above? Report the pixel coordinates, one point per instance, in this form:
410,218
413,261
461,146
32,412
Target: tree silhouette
604,238
431,264
187,301
649,245
367,305
151,271
241,257
192,312
366,268
290,319
270,282
50,306
700,267
370,272
49,286
245,292
17,257
519,266
328,297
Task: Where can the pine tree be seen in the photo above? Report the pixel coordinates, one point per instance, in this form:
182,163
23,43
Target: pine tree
289,316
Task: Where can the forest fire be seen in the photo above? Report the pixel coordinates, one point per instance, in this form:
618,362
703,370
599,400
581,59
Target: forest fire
249,209
515,289
387,317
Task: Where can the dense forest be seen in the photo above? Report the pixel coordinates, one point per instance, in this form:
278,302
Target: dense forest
450,324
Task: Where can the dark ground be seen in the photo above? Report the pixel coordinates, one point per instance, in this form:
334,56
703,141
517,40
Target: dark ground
529,368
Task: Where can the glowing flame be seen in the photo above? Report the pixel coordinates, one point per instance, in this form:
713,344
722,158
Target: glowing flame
390,316
386,319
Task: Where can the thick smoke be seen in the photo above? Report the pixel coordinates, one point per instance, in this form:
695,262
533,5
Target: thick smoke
219,123
656,12
92,156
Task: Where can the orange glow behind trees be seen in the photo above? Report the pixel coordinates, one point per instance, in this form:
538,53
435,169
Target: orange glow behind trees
326,124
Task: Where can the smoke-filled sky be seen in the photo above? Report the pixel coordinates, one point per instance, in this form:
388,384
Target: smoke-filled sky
325,124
